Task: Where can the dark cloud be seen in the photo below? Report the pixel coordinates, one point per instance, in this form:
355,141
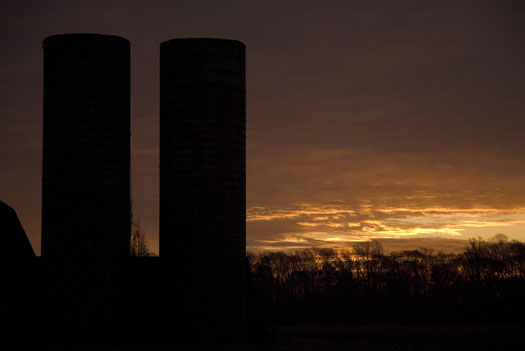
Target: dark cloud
387,104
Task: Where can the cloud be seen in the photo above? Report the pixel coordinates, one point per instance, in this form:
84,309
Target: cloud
351,106
340,226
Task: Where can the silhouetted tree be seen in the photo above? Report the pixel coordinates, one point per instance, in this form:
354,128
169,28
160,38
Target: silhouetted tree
483,283
138,245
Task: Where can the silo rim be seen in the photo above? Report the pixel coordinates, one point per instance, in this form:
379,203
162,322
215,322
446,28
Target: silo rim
175,40
82,35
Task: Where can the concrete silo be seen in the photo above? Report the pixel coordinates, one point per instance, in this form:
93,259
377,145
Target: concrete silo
86,147
202,179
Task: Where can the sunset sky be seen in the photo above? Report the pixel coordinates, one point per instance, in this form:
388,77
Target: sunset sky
365,119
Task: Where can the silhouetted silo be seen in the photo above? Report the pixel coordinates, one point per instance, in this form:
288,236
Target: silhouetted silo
86,147
202,177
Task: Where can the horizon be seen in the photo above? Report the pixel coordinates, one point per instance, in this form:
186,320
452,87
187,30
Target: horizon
393,121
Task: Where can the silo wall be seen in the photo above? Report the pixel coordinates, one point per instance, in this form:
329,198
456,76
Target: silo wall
202,179
86,147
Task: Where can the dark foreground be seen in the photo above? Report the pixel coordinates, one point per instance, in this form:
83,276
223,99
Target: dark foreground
364,338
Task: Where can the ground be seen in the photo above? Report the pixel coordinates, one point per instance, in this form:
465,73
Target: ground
367,338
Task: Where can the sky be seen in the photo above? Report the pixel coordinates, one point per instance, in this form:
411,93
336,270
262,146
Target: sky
365,119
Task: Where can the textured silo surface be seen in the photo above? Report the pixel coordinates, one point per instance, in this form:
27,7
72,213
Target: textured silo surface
202,175
86,146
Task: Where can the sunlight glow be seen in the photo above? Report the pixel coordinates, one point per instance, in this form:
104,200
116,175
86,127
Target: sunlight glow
318,226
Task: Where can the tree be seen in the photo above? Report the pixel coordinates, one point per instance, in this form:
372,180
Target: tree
139,245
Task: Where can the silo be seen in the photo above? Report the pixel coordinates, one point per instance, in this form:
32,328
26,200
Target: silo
86,147
202,179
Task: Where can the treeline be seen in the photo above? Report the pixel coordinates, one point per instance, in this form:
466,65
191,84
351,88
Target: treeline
484,284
